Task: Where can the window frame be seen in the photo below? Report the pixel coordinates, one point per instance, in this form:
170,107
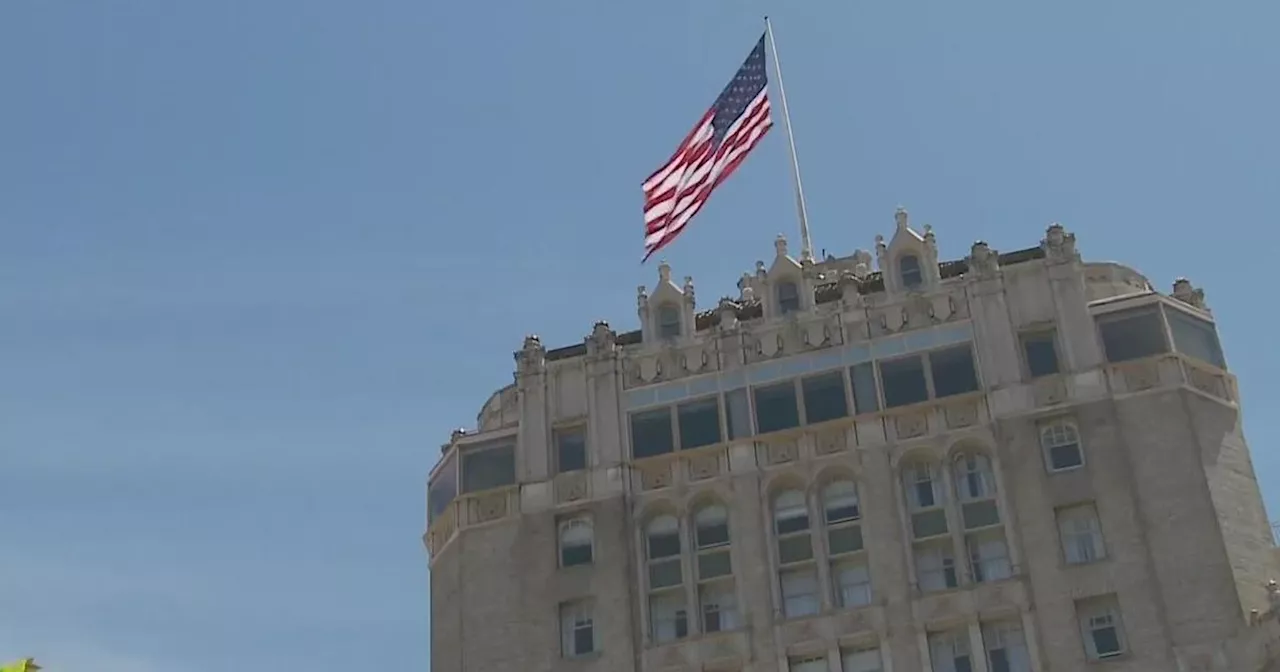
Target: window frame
1044,427
662,326
900,265
1107,606
1129,312
575,610
783,301
557,435
466,452
1049,333
567,523
1072,514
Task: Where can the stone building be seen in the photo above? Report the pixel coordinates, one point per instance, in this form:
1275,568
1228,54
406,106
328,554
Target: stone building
1004,463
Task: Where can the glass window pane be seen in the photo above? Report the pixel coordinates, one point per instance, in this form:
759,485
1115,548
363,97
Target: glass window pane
711,565
840,501
668,322
929,523
824,397
903,381
776,407
488,468
953,371
699,423
865,399
651,433
1132,334
866,660
1195,337
845,539
909,269
443,488
571,450
738,414
1041,353
794,548
788,297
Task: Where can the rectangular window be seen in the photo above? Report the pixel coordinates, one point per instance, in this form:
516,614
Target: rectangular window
1195,337
443,488
949,651
1081,534
853,584
1132,334
651,433
1006,647
699,423
903,381
824,397
485,468
577,629
669,620
576,540
844,539
865,397
776,407
571,449
935,567
807,664
953,371
989,556
861,660
737,414
1041,352
799,592
1101,627
719,606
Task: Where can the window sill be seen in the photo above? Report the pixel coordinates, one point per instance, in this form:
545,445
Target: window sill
1122,657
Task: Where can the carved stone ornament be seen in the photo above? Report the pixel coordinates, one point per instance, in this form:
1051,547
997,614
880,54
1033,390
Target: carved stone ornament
603,339
1187,293
911,425
983,261
1059,245
532,357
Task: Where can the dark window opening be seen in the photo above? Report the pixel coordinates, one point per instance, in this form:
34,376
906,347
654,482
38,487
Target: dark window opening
903,381
824,397
571,450
1041,353
865,398
788,297
699,423
1195,337
953,371
488,468
651,433
909,271
668,322
737,414
776,407
1132,334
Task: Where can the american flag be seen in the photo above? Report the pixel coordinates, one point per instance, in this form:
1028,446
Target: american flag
713,149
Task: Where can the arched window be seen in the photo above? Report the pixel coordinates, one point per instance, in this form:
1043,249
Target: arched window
788,297
840,502
920,485
668,616
797,576
1061,445
849,569
717,597
973,477
984,539
909,271
933,549
575,541
668,321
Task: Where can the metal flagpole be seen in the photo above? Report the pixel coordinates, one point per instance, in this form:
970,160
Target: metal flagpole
806,245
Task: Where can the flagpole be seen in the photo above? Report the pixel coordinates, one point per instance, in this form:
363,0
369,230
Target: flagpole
806,245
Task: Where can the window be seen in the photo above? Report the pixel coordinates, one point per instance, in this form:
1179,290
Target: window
788,297
903,381
576,536
1041,353
719,607
824,397
1132,334
935,566
699,423
791,524
485,468
711,536
953,371
668,619
841,514
799,592
974,479
1081,534
651,433
1195,337
909,271
737,414
668,321
776,407
1101,627
577,629
443,487
807,664
1061,445
663,552
989,556
571,450
1006,647
853,583
861,660
919,484
949,651
865,395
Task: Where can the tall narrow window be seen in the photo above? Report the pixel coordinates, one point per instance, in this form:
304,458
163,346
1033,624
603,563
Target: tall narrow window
668,614
949,651
842,516
909,271
571,449
865,395
737,414
798,577
1101,627
1041,352
1006,647
577,629
711,534
668,321
1081,534
975,484
1061,444
576,538
928,518
788,297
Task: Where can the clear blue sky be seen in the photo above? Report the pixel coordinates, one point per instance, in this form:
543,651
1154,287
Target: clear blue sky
257,258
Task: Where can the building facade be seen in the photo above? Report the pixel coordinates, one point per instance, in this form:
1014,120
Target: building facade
1006,463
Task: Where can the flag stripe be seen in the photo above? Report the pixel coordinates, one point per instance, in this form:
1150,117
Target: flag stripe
712,150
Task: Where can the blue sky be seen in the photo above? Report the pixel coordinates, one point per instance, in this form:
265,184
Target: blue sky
257,259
